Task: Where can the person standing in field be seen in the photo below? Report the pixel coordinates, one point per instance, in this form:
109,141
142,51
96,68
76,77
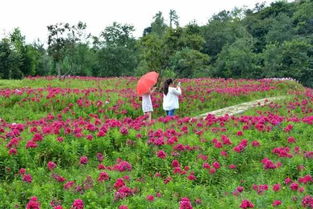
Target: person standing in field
170,97
147,107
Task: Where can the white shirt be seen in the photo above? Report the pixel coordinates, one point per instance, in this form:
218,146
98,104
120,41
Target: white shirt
147,103
170,101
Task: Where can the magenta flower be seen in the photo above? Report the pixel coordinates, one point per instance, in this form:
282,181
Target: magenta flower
246,204
51,165
103,176
83,160
31,144
161,154
27,178
78,204
294,186
276,187
33,203
100,157
150,198
68,185
185,203
276,203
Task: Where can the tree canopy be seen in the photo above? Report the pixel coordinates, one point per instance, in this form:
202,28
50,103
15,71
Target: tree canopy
262,42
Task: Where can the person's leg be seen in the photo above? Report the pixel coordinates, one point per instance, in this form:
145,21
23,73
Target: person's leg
167,113
171,112
149,116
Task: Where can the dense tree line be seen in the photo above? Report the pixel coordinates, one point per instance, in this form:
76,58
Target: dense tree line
273,41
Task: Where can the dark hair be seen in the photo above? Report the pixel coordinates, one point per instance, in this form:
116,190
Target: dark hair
166,85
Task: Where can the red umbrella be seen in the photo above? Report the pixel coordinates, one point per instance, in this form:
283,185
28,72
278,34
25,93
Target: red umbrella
146,82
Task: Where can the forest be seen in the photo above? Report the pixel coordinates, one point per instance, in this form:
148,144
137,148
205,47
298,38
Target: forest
274,41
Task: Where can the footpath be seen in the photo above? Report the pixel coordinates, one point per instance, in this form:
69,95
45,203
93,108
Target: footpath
240,108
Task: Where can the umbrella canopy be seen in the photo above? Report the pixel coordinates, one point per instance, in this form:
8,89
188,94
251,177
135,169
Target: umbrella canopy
146,82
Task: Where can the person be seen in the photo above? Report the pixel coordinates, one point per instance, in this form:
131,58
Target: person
147,107
170,97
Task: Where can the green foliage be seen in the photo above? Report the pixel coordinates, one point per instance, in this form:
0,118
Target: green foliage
188,62
241,43
237,60
291,59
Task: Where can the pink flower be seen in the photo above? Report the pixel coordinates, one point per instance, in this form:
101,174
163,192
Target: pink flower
83,160
27,178
206,165
33,203
68,184
175,164
288,181
12,151
240,189
276,187
212,170
103,176
51,165
185,203
291,139
306,179
307,201
246,204
123,166
60,139
150,198
89,137
161,154
78,204
123,207
232,166
276,203
255,143
100,157
239,133
192,177
119,183
216,165
294,186
22,171
31,144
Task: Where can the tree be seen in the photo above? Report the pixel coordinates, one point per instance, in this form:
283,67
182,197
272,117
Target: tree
152,52
119,35
61,42
303,18
221,30
237,60
173,19
188,63
10,61
280,30
118,57
27,53
158,26
292,59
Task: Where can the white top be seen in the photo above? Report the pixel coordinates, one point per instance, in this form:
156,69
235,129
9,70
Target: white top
170,101
147,103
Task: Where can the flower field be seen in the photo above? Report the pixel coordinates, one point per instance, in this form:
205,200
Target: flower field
83,143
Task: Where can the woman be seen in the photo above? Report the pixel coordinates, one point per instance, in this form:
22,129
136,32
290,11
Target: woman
170,97
147,107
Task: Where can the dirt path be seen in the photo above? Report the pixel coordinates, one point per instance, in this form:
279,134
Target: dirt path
240,108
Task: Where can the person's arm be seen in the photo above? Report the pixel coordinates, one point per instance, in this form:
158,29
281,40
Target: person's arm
153,90
176,91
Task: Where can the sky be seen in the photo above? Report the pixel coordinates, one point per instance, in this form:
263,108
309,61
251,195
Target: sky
33,16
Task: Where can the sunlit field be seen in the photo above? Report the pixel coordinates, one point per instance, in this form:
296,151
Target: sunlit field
83,142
